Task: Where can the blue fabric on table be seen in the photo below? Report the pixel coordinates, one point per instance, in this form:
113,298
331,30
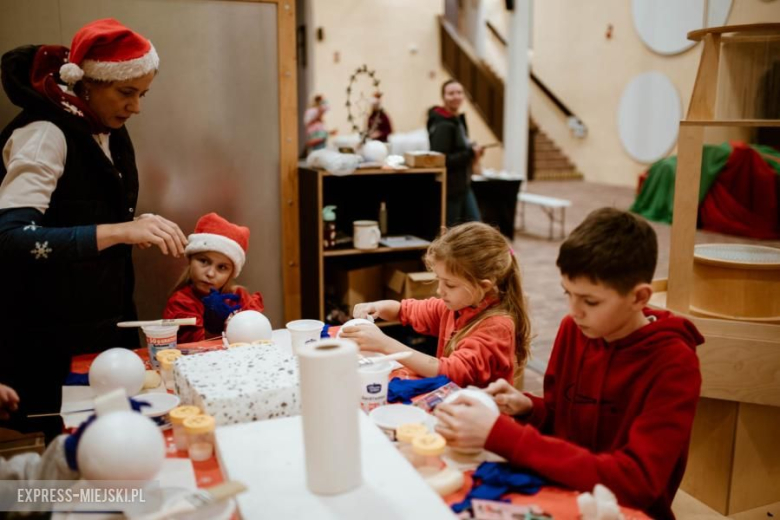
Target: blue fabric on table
404,389
492,480
76,379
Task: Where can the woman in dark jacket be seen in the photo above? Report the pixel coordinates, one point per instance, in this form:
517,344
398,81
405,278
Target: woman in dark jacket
449,135
68,192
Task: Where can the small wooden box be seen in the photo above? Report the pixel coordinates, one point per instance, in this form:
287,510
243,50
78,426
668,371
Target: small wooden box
425,159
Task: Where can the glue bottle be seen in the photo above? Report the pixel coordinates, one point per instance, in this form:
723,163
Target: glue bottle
329,229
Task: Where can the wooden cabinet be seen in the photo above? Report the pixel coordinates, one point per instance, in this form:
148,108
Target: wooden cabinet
415,201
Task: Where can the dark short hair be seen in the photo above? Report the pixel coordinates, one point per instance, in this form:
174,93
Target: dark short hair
613,247
447,83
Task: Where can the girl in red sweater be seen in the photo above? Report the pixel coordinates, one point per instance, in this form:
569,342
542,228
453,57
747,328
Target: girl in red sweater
480,316
205,291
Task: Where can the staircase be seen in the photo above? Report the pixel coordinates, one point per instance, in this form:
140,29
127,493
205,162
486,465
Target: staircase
485,89
549,162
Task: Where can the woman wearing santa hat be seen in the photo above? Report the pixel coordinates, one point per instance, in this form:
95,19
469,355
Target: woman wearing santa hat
67,205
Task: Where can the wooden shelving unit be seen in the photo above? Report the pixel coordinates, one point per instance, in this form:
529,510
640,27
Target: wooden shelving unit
734,456
415,200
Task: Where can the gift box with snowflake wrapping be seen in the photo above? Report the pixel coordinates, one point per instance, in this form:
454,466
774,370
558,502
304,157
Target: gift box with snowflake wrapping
240,385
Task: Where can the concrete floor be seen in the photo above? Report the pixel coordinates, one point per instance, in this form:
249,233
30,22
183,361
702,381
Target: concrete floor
537,255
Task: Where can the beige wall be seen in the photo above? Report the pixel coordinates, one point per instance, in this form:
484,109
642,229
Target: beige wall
570,54
400,40
591,74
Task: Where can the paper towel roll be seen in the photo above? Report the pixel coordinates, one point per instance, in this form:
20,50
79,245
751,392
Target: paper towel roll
330,407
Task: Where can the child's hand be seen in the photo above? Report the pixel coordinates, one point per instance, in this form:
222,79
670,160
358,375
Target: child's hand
9,401
384,309
509,399
216,310
368,337
465,422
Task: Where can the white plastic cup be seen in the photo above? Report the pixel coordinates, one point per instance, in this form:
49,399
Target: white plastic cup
159,337
304,331
374,379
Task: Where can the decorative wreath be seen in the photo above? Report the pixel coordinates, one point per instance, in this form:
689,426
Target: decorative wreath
357,98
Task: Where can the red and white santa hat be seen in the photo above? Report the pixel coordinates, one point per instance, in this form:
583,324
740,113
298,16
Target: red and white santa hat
214,233
106,50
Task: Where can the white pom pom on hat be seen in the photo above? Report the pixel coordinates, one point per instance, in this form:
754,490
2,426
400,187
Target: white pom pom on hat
106,50
71,73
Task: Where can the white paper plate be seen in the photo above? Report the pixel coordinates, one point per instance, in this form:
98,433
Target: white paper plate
161,403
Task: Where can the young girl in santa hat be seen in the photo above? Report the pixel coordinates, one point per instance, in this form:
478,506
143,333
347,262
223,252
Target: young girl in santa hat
205,291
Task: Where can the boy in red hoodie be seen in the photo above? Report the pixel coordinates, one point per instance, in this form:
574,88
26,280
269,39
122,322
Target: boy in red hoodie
621,387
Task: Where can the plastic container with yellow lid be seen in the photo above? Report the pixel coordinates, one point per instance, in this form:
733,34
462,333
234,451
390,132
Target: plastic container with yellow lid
166,359
428,462
405,434
200,436
177,416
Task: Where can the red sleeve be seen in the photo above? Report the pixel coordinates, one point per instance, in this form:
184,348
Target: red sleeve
485,355
181,305
638,472
250,302
543,410
424,316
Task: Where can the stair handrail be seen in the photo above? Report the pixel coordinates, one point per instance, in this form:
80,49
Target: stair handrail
480,78
576,125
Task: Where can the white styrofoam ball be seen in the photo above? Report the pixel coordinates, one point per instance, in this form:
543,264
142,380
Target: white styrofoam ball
248,326
121,446
117,368
353,322
477,394
483,398
374,151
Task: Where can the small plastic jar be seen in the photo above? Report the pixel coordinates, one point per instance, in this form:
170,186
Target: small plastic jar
405,434
428,449
200,436
166,359
177,416
428,462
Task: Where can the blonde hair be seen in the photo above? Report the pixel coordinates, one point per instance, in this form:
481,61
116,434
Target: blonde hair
474,252
185,279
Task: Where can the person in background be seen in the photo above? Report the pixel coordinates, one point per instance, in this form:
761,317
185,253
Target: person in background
216,253
313,120
448,134
480,316
621,386
68,193
379,120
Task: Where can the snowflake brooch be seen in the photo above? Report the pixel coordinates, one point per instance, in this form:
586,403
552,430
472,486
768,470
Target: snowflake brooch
72,109
41,250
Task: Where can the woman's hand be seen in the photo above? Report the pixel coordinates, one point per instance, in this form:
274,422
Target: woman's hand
509,399
479,151
368,337
145,231
9,401
384,309
465,422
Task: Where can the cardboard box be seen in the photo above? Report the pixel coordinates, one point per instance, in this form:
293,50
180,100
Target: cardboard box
360,285
425,159
418,285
